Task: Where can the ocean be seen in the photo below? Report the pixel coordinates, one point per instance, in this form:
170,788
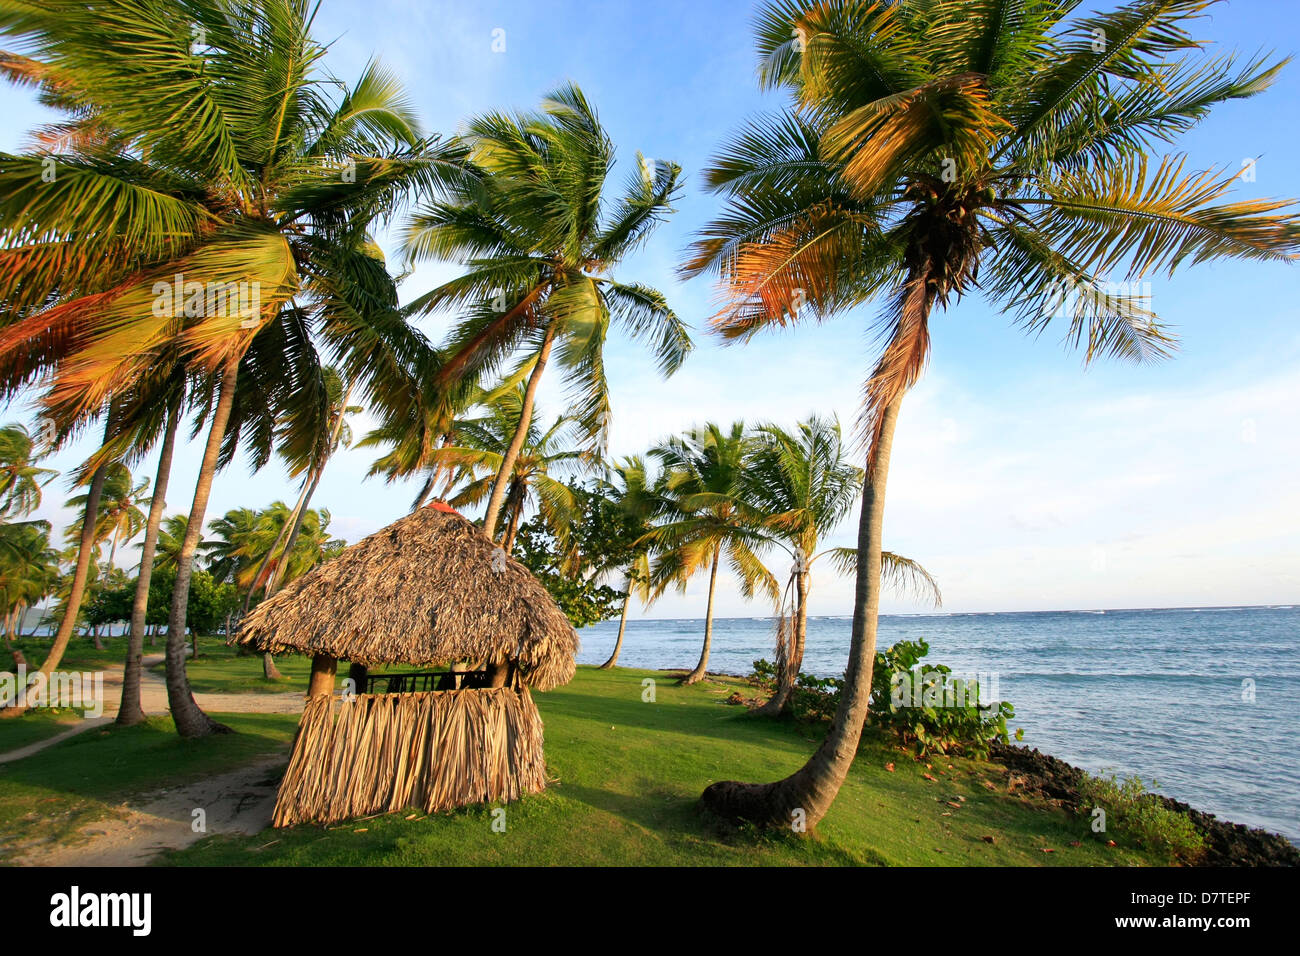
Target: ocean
1204,701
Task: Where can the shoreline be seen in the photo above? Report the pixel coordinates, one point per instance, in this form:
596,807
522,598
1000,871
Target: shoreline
1226,843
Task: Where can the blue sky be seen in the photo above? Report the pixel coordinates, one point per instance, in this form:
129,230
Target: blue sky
1020,479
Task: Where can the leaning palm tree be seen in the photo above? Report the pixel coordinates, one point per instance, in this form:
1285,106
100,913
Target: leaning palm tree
417,433
708,520
130,709
544,458
803,485
540,237
21,479
934,141
232,162
313,459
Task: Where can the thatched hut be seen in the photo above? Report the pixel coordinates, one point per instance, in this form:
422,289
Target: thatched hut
432,591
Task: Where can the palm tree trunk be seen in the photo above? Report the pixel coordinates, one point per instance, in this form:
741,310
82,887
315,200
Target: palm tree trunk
622,625
190,720
108,570
290,533
697,675
130,712
79,579
517,443
269,670
515,505
277,575
780,701
813,787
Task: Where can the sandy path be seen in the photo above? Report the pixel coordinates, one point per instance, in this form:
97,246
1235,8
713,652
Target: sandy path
238,802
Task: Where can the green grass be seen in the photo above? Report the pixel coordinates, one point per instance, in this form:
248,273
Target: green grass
221,670
80,655
54,793
628,775
628,778
34,726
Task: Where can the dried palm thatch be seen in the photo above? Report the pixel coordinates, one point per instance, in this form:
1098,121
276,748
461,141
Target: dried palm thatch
428,589
379,753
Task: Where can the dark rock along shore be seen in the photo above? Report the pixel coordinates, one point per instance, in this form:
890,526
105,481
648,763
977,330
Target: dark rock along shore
1226,844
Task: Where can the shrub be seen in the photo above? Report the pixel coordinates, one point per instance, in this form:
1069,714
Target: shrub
943,716
1133,812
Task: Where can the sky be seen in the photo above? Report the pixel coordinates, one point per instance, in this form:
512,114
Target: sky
1021,479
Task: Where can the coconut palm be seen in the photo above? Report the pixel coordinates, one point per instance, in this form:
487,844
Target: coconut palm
420,431
29,571
241,539
707,520
639,500
119,517
935,141
109,509
545,456
539,237
311,466
21,479
130,710
171,538
226,157
803,485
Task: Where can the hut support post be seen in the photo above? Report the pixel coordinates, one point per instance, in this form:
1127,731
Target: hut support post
323,668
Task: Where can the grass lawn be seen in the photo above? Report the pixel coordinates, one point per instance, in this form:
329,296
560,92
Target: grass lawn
628,775
221,670
36,725
81,654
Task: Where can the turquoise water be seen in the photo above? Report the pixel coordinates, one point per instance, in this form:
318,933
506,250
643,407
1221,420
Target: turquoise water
1158,693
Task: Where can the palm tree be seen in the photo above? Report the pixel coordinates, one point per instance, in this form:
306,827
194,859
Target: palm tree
639,500
237,166
130,710
934,141
109,509
29,571
120,518
241,540
171,538
803,485
313,459
483,442
417,433
21,479
708,520
539,239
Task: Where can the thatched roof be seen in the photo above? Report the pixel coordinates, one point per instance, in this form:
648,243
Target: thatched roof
428,589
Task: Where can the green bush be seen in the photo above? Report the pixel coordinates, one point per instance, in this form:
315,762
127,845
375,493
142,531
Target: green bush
943,715
1133,812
